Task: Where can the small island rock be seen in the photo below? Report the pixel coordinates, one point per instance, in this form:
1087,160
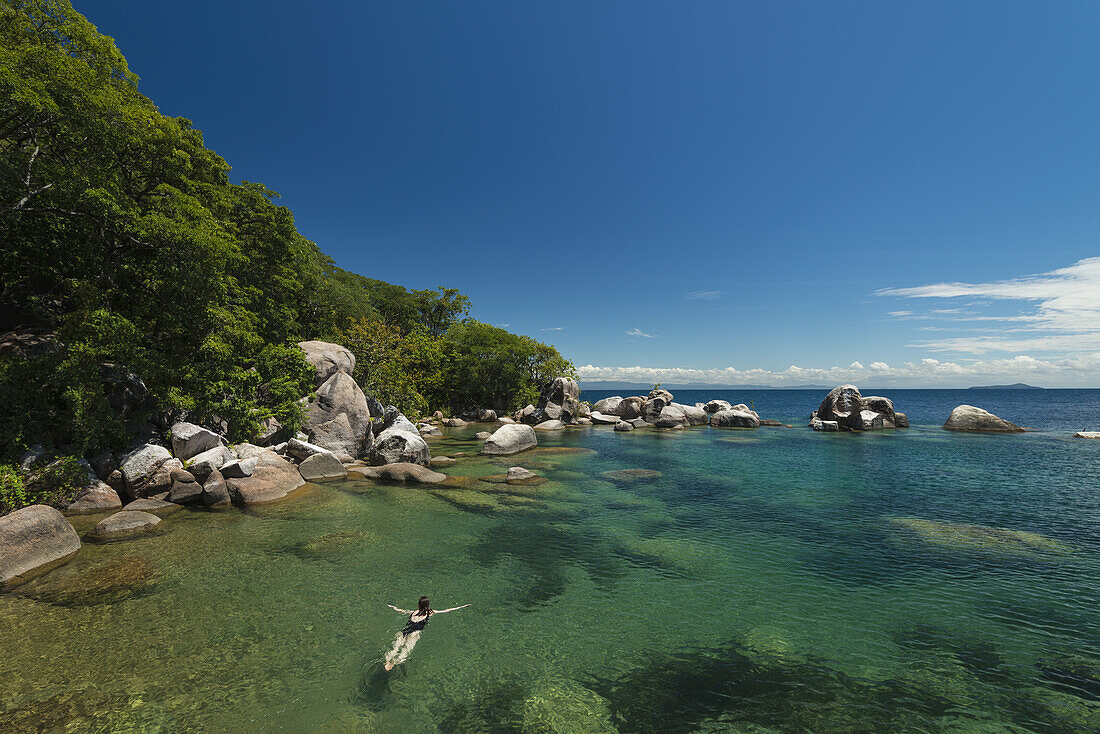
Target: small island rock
971,419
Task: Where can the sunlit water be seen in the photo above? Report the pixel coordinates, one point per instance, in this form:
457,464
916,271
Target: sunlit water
768,580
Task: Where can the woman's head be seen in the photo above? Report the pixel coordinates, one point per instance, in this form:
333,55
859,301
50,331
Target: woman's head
424,605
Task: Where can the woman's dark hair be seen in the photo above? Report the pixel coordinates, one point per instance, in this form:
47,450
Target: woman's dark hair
424,605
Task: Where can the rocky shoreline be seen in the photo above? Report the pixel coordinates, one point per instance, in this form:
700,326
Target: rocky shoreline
348,434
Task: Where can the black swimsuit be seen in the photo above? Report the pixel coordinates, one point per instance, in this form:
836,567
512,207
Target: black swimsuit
412,626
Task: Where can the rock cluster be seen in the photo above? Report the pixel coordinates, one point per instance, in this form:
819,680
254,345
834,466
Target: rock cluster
845,409
338,416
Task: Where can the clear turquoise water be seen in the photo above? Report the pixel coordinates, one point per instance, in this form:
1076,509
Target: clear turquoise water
769,580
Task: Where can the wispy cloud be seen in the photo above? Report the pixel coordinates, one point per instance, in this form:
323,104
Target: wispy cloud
703,295
640,333
1062,314
555,328
1082,370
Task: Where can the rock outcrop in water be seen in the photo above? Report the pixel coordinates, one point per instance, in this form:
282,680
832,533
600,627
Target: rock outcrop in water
510,439
32,541
976,420
845,409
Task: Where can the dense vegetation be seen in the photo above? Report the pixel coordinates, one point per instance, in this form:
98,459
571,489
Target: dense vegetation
125,250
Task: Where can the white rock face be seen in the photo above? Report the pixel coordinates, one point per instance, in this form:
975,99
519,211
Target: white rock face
826,426
671,416
302,450
693,415
32,541
715,406
189,440
601,419
510,439
607,406
321,467
976,420
734,418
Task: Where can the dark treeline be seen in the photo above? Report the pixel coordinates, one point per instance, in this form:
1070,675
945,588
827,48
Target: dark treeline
125,250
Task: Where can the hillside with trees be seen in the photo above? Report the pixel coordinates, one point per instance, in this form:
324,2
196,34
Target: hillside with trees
140,284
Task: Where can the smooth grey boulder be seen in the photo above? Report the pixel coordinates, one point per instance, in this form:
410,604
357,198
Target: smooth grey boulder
201,465
624,426
400,472
715,406
482,435
240,468
340,394
273,479
249,450
659,392
550,425
189,440
693,415
559,400
901,420
600,419
825,426
653,407
98,497
124,524
152,506
843,404
336,436
505,420
971,419
510,439
520,475
215,492
185,490
327,359
400,423
301,450
34,540
454,422
321,467
670,416
636,422
630,408
527,414
734,418
607,405
438,461
395,445
139,466
583,422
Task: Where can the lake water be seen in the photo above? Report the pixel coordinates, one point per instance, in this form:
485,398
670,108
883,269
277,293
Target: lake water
754,581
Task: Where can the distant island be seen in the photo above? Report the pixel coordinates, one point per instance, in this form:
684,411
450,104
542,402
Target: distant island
1013,386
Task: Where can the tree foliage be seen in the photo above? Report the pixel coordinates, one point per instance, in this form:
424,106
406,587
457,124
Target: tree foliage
125,249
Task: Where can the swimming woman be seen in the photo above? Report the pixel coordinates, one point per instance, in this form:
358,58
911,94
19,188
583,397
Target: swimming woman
407,637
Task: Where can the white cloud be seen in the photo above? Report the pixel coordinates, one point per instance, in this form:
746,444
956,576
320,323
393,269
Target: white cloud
1062,315
855,366
1081,370
703,295
639,332
555,328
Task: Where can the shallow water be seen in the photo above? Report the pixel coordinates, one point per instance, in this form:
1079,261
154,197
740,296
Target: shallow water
768,580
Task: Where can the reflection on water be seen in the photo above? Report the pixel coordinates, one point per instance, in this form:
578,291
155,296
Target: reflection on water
688,581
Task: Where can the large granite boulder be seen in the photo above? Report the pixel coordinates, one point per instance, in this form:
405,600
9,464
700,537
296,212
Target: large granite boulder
623,426
550,425
272,479
215,491
398,444
341,395
321,467
975,420
141,464
653,407
600,419
189,440
185,489
671,416
337,436
852,411
32,541
302,450
327,359
735,418
607,406
124,524
201,465
560,400
630,408
94,495
658,392
160,508
693,415
824,426
716,405
510,439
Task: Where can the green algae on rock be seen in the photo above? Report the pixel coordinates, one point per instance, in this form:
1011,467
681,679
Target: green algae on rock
563,706
631,475
978,538
106,583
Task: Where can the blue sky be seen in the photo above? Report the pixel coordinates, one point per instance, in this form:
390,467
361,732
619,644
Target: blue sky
715,191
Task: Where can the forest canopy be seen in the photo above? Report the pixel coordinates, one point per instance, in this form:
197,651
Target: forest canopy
138,283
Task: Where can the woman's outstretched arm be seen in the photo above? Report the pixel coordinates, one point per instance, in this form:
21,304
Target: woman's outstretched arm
403,611
452,609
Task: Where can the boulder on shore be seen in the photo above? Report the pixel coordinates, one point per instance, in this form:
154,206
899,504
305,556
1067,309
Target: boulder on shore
399,472
341,395
560,400
34,540
337,436
671,416
201,465
396,445
189,440
510,439
139,466
327,359
735,418
693,415
321,467
975,420
602,419
124,524
715,406
624,426
608,406
272,479
550,425
302,450
630,408
160,508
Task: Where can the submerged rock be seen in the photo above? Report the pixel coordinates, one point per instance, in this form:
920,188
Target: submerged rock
399,472
32,541
510,439
563,706
978,538
520,475
333,544
123,525
107,583
976,420
152,506
438,461
631,475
